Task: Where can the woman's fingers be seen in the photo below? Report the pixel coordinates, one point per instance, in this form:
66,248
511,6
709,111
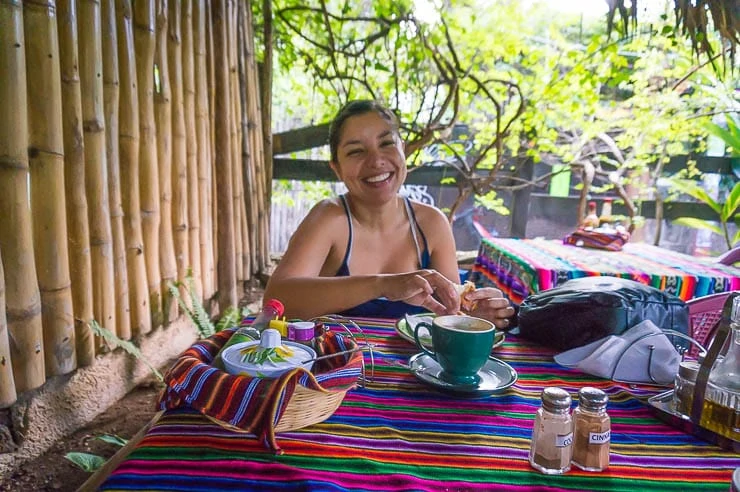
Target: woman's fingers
444,290
427,288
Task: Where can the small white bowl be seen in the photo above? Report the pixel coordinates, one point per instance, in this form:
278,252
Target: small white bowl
233,361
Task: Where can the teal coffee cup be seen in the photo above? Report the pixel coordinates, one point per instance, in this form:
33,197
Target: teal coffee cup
461,346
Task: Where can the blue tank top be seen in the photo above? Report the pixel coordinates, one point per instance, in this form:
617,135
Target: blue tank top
382,306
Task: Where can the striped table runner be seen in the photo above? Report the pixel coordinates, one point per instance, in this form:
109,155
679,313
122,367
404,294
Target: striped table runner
397,434
521,267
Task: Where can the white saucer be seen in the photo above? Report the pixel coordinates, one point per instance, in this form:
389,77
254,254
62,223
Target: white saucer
495,376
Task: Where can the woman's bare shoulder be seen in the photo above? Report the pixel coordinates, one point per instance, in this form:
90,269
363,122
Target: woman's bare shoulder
323,217
428,215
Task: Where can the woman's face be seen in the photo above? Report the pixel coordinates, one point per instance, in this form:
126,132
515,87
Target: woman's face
370,157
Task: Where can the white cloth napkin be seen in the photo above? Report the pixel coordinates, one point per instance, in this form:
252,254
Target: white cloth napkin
626,357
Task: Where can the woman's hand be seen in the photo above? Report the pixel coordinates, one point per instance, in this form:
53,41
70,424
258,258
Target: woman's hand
427,288
490,304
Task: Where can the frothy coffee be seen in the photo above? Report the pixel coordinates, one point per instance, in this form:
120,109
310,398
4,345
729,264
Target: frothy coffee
464,324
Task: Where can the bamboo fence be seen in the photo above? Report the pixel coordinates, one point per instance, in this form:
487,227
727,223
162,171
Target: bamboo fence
163,120
111,102
78,230
127,155
22,298
96,172
46,161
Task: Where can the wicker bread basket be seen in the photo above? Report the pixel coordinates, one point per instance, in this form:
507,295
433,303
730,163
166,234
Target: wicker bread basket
306,407
260,406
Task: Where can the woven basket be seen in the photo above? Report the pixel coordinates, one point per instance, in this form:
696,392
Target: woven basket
306,407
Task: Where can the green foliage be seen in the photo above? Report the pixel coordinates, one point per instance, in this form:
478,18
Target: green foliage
197,314
92,462
731,136
726,213
524,82
113,341
87,461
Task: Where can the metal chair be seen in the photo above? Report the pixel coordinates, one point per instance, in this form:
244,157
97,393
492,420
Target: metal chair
730,257
704,316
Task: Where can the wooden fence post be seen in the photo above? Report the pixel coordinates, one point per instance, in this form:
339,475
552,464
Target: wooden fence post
188,80
78,228
16,242
46,161
179,147
203,131
144,42
163,119
111,92
7,384
96,172
141,321
224,186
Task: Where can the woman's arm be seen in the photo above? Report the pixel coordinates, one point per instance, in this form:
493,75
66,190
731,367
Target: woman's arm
297,283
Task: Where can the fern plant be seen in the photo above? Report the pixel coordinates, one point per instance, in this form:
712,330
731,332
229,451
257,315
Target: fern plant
113,341
197,313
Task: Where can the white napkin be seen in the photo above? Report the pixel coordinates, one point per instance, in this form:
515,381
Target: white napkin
414,320
626,357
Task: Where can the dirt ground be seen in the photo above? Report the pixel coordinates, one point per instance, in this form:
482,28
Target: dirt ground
53,472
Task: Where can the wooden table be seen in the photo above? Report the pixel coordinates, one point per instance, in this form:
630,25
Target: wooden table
398,434
520,267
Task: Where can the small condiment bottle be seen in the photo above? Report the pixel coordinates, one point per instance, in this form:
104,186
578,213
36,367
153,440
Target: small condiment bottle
552,436
591,219
606,212
591,430
683,386
296,331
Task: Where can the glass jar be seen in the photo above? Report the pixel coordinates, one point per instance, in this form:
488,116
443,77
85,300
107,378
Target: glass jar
552,435
683,387
591,430
721,412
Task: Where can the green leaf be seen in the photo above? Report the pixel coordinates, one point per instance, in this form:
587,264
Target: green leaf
86,461
129,347
381,67
728,137
698,224
691,188
116,440
736,237
732,203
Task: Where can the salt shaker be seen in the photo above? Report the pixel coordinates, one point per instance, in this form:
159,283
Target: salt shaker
552,436
591,430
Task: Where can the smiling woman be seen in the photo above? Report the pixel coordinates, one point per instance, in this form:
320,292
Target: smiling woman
371,252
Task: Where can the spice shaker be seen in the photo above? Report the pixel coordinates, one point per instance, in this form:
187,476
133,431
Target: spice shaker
591,430
683,387
552,436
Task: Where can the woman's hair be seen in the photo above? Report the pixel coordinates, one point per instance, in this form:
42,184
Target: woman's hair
355,108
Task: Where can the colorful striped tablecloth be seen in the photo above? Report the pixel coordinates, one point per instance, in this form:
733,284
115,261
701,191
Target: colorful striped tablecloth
521,267
398,434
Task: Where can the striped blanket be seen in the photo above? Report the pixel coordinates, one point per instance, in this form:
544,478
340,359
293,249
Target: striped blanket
398,434
520,267
254,404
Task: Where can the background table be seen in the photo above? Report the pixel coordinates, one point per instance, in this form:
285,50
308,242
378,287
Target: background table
520,267
399,434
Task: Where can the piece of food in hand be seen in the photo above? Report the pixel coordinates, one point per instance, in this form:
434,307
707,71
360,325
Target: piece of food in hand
463,290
